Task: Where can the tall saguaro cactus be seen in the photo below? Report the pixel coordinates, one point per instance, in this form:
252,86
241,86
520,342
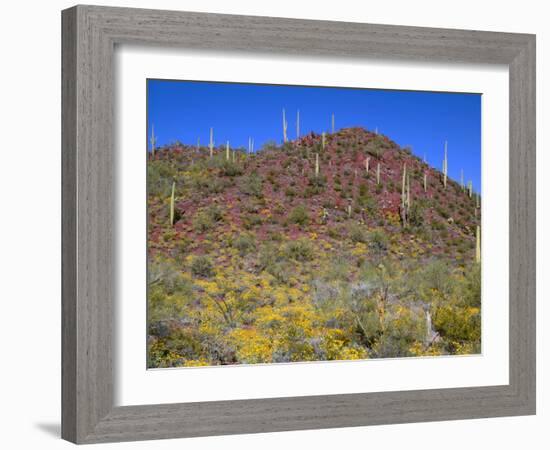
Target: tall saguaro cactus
153,140
172,203
445,167
462,179
227,150
405,195
316,165
378,174
298,124
285,127
333,124
211,144
470,189
323,140
425,181
478,244
367,161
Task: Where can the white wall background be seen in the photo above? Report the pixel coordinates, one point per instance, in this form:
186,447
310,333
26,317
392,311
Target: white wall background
30,237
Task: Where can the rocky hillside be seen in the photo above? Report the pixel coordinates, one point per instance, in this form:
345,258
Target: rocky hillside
311,233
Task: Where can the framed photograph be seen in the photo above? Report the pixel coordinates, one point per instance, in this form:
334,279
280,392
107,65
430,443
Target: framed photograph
277,224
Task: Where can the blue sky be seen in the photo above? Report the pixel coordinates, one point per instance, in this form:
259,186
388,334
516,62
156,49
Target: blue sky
185,111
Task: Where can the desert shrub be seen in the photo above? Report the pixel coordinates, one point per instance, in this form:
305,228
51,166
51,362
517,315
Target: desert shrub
357,233
368,203
402,328
290,192
252,185
159,178
208,184
207,218
457,325
334,232
164,274
471,288
244,243
230,169
300,250
251,220
416,215
215,213
269,145
201,266
378,241
201,223
299,215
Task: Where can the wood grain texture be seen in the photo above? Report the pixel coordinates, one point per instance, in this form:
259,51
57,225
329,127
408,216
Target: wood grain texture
89,36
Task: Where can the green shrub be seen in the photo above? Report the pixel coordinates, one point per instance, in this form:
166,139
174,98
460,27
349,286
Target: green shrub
252,185
299,215
201,266
202,222
357,233
245,243
378,241
230,169
300,250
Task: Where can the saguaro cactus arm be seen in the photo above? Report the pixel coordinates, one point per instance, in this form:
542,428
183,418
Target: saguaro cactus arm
298,124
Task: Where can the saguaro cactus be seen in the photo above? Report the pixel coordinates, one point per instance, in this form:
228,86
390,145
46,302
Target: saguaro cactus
172,203
153,140
285,127
227,150
478,244
211,144
404,195
470,189
316,165
323,140
333,127
445,167
425,181
367,160
298,124
462,179
349,211
378,174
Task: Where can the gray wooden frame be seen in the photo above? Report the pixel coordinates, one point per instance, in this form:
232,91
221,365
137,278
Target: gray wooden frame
89,37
